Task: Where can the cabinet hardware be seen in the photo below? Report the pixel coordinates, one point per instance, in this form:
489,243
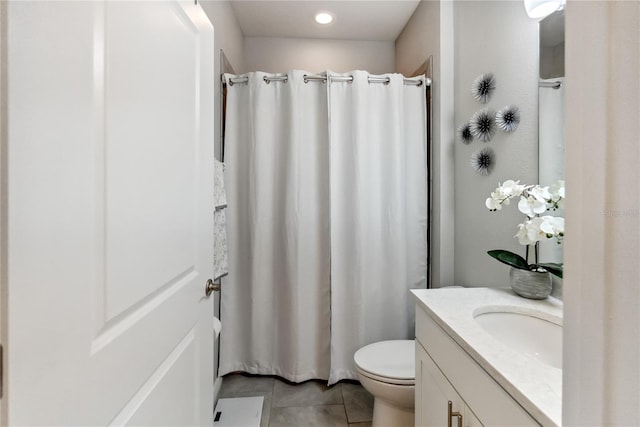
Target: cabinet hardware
453,414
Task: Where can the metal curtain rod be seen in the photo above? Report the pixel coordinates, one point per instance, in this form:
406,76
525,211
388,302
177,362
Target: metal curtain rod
552,85
307,78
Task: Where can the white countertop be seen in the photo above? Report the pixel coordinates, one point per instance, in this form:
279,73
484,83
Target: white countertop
537,387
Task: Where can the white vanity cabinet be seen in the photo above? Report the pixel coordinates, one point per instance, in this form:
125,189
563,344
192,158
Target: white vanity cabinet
436,400
445,372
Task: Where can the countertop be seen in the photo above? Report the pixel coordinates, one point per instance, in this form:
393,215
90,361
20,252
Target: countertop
537,387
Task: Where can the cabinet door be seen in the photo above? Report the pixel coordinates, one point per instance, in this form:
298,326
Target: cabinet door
433,393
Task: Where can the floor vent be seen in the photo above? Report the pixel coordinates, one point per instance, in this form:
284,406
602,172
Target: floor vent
238,412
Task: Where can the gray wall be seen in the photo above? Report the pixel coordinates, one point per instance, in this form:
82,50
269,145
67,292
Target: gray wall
497,37
429,32
229,38
276,55
484,36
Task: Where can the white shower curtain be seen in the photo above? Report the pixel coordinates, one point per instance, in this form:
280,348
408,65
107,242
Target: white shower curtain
276,304
326,192
378,213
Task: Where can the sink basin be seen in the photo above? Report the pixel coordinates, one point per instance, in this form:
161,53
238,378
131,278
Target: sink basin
526,333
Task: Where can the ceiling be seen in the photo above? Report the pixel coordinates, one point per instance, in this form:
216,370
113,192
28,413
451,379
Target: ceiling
379,20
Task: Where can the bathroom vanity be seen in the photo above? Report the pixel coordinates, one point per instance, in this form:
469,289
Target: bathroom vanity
487,357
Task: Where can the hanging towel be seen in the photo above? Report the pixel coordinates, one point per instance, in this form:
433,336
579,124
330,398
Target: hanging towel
220,263
219,194
217,327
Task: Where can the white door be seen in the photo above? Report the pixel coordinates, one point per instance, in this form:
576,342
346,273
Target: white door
108,240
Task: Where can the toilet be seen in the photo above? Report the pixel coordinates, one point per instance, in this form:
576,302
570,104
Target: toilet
386,369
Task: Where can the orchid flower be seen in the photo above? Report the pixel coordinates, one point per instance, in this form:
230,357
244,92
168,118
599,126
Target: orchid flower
534,201
503,194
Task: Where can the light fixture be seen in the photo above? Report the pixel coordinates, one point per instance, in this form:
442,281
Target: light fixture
538,9
324,18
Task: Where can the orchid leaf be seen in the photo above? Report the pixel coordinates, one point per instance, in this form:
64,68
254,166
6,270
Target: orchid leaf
509,258
553,268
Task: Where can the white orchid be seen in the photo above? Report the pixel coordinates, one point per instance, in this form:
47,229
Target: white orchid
557,195
557,190
503,194
512,188
529,231
540,193
492,203
532,206
552,227
534,201
540,228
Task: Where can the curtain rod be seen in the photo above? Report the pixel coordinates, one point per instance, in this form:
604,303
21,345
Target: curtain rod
553,85
307,78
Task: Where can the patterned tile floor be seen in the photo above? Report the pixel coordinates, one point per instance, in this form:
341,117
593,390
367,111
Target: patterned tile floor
308,404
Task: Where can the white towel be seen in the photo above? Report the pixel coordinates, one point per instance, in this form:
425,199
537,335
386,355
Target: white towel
220,263
219,194
217,327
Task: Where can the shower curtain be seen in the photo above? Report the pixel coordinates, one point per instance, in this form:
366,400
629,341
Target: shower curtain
327,222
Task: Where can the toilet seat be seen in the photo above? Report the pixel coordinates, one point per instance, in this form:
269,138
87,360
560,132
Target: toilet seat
391,362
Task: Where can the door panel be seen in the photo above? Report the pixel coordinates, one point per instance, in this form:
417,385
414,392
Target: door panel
160,389
110,182
140,201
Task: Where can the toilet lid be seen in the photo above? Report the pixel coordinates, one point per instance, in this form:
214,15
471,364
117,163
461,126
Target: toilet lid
388,359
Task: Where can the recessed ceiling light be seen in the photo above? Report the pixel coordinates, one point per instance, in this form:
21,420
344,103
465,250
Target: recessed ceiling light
324,18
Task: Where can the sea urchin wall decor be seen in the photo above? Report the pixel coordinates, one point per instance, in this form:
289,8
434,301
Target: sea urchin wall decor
483,160
465,134
483,86
508,118
482,125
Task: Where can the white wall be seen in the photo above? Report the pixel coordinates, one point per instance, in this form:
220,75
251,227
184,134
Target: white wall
429,32
496,37
274,55
601,375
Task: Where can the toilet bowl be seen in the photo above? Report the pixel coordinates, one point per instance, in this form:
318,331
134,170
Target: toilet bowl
386,369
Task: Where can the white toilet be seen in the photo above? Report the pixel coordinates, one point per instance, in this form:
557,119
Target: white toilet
387,370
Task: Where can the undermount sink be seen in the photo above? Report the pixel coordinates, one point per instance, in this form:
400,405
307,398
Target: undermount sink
527,333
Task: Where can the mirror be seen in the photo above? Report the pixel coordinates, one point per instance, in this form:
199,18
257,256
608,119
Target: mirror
551,118
551,99
552,46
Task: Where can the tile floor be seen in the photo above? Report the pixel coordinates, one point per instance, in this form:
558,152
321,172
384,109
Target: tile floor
308,404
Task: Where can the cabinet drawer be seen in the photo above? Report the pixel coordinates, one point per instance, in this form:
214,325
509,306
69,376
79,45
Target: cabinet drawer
486,398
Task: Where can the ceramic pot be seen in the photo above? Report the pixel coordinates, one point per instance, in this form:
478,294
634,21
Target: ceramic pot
530,284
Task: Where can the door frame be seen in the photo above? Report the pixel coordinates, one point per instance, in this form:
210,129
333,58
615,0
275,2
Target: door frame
3,203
